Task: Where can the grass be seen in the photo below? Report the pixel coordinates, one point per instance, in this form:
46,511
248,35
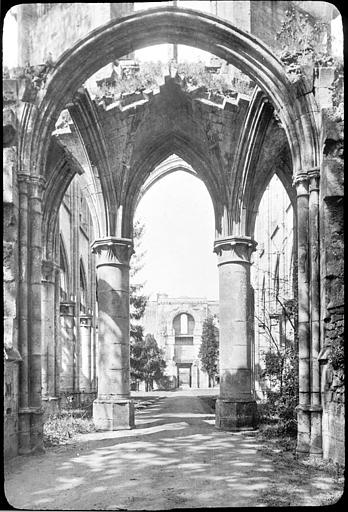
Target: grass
61,428
297,481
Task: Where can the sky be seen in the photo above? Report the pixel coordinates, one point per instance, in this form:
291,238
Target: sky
178,239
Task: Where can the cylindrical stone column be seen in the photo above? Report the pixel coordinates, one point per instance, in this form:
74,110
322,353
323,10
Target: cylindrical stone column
113,409
316,408
236,407
23,413
303,408
85,374
48,352
34,306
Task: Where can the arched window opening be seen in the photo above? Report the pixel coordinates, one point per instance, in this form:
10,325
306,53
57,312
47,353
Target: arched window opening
83,289
183,325
185,228
64,277
272,275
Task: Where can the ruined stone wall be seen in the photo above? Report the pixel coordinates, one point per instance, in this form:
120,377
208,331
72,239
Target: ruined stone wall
78,327
10,269
332,287
333,389
158,320
58,28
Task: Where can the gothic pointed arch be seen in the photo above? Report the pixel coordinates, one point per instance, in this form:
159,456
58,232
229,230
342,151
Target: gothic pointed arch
294,105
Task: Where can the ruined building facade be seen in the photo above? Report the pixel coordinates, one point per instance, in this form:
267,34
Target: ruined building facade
290,125
177,324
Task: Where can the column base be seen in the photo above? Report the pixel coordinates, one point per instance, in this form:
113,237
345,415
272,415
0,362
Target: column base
234,415
113,415
303,430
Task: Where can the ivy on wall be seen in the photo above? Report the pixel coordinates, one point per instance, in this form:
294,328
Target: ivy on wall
301,37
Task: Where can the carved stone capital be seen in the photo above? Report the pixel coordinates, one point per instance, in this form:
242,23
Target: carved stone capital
23,178
49,270
314,177
85,320
113,251
300,181
37,185
234,249
67,308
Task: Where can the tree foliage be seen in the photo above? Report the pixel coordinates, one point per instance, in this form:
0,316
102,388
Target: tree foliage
147,361
209,349
281,368
137,299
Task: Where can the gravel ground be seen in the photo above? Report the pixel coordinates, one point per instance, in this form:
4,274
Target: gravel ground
174,458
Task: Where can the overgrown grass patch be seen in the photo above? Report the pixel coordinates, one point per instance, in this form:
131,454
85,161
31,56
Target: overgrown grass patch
297,481
62,427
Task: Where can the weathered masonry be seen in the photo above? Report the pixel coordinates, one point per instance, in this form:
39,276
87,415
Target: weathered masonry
291,126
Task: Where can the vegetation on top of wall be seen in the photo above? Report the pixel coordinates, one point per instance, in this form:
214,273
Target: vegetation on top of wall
150,75
302,39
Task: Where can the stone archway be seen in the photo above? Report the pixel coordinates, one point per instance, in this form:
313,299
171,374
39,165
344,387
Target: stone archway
296,109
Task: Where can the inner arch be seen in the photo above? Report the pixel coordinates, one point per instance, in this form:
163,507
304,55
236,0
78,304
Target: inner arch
179,26
178,241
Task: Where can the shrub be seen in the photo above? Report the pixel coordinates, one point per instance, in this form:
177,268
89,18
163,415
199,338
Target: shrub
281,368
60,428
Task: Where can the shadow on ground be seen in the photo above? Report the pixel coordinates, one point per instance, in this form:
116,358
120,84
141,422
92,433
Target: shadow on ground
175,458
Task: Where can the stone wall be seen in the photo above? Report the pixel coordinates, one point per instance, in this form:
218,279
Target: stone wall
54,30
332,272
158,320
10,285
78,327
333,390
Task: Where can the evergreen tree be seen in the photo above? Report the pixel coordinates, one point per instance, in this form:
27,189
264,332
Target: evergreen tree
209,349
137,301
146,359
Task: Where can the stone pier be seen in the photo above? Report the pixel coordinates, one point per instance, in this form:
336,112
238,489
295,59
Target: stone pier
304,406
113,409
85,375
48,349
236,407
316,407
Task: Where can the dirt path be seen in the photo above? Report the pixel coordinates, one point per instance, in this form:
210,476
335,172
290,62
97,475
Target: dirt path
175,458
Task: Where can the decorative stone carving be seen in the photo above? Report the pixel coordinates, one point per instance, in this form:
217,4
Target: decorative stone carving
113,250
235,249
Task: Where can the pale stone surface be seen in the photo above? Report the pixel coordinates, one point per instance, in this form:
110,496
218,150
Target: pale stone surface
113,415
236,407
222,139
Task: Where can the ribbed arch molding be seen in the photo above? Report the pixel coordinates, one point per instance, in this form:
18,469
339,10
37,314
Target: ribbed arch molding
294,105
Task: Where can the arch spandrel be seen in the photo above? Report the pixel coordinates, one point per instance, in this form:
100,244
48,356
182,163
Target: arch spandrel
184,26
